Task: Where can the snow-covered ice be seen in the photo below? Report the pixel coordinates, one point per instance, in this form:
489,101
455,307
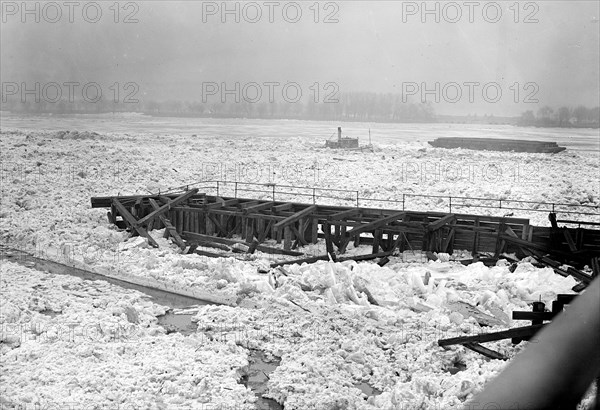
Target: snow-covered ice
334,325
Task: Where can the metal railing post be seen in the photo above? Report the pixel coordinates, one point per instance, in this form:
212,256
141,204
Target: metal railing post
403,201
273,192
357,199
314,197
450,204
236,190
218,188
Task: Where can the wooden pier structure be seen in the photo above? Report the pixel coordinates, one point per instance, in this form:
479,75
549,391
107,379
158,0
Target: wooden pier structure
195,219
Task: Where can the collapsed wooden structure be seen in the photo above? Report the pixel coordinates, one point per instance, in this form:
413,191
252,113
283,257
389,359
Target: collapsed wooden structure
538,316
194,218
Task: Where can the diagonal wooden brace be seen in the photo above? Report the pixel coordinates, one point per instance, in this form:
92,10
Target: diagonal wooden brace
134,224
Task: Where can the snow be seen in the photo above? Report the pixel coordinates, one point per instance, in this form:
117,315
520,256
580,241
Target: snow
334,325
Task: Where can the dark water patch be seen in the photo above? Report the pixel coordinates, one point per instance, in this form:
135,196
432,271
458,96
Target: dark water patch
181,323
257,378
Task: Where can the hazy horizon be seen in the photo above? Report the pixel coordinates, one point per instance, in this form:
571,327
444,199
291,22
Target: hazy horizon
174,48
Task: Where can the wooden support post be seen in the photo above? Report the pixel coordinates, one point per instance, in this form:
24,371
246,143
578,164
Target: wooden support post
249,230
168,226
287,238
210,226
476,238
570,241
179,221
376,240
131,220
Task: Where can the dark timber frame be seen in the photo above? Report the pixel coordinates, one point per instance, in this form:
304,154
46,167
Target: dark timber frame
294,225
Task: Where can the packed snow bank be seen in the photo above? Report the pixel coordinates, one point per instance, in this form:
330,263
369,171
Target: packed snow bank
69,342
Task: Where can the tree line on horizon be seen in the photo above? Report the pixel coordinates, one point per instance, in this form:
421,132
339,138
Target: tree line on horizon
565,117
352,106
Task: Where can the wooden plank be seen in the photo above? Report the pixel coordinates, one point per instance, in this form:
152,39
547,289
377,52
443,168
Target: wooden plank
434,226
263,235
211,244
249,230
376,240
366,257
258,208
168,226
287,238
131,220
344,214
371,226
475,248
299,235
492,354
520,332
311,259
570,242
520,315
222,204
191,236
165,207
284,207
295,217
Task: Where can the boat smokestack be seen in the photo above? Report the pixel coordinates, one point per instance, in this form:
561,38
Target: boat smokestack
339,133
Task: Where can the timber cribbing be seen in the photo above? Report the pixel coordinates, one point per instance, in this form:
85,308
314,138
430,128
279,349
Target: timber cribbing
197,218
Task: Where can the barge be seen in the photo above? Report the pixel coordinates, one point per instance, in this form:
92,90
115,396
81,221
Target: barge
493,144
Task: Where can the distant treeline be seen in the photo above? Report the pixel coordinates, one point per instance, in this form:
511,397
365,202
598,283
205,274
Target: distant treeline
357,106
568,117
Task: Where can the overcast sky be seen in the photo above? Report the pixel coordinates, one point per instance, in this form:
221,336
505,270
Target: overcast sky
378,46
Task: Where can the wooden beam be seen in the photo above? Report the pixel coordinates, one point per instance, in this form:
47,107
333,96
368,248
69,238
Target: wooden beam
492,354
257,208
520,315
366,257
434,226
131,220
284,207
301,261
570,242
371,226
192,236
344,214
521,332
222,204
166,207
295,217
168,226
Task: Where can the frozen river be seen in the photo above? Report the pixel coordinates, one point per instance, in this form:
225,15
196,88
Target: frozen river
573,138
